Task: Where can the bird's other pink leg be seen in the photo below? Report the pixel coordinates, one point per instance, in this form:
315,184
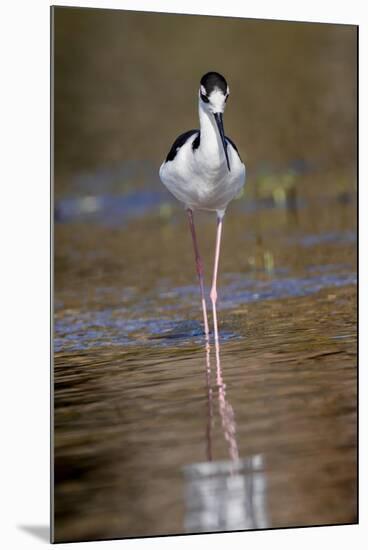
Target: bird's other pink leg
214,278
199,267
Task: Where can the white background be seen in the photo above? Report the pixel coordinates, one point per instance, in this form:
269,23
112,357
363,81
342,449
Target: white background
25,268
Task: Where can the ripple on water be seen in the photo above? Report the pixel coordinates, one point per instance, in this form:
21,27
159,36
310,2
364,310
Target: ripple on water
77,330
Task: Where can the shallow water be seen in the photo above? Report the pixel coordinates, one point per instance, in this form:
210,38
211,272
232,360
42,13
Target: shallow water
149,438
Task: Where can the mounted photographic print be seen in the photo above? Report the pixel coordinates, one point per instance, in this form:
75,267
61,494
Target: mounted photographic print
204,188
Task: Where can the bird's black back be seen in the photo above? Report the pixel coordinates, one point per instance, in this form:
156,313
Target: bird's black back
183,138
179,142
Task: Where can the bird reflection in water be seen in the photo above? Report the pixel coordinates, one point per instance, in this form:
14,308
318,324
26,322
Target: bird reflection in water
224,495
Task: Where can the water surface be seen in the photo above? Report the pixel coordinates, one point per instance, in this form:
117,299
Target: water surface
155,433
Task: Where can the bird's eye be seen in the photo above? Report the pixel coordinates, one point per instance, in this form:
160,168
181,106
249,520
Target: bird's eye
204,98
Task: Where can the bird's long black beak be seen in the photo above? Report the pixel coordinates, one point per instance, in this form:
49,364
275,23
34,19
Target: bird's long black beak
220,126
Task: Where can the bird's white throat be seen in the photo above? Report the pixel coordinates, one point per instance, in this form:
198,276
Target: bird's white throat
210,147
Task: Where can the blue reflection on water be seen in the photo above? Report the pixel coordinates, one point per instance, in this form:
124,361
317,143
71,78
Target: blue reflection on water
324,238
244,291
107,209
85,329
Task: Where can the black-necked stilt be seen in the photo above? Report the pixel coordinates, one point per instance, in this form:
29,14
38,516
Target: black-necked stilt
204,171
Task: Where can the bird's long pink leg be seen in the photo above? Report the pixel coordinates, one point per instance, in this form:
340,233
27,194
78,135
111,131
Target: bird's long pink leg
214,278
199,267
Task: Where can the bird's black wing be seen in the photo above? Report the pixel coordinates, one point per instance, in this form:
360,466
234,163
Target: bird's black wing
179,142
233,144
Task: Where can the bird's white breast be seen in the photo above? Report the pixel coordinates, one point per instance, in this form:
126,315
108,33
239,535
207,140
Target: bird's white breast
200,178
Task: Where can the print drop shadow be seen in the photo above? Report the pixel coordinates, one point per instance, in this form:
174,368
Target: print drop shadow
41,532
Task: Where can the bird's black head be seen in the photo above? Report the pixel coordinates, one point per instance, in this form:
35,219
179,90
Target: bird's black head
213,80
214,91
213,94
